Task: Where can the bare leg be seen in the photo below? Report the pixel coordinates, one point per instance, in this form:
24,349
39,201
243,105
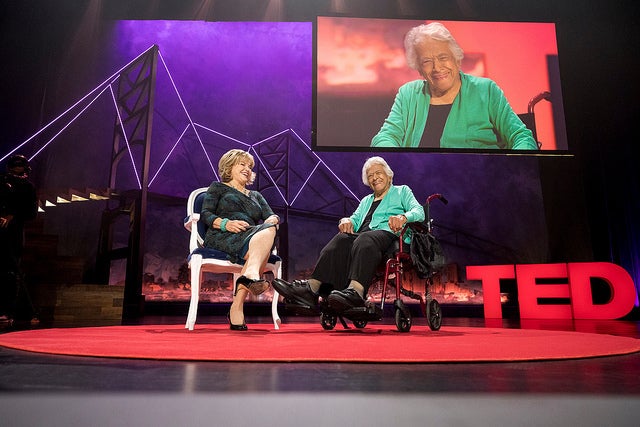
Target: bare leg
256,258
236,313
258,253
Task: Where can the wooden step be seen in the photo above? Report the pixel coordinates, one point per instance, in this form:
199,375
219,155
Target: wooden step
78,303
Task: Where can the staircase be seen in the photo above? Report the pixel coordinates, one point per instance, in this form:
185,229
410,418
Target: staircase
52,197
55,282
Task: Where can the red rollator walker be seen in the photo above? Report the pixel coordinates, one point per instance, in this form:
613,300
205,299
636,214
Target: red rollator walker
400,259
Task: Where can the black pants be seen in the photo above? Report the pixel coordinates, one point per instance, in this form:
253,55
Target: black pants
352,257
11,244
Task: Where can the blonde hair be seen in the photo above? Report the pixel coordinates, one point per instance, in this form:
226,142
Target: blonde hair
229,160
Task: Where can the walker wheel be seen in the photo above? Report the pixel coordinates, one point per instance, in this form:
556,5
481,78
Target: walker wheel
403,323
359,323
434,315
328,321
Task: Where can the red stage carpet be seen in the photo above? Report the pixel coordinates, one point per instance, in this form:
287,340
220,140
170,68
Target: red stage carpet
309,343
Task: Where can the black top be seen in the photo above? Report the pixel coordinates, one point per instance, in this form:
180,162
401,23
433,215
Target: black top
18,198
434,127
367,218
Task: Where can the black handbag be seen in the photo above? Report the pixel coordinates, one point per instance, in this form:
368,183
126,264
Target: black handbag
426,254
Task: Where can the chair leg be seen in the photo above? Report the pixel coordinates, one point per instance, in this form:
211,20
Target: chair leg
277,273
195,264
274,310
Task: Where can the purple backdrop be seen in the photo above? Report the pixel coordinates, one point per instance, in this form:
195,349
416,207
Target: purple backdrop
241,83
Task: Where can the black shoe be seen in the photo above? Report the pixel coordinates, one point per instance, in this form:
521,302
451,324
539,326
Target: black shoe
299,292
233,327
340,301
256,287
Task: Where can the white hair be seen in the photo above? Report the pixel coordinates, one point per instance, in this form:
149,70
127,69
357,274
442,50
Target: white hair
377,160
434,30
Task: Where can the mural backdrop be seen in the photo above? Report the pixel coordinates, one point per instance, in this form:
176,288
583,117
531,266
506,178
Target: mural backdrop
249,85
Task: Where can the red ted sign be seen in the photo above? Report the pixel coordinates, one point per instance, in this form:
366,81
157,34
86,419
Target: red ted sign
577,291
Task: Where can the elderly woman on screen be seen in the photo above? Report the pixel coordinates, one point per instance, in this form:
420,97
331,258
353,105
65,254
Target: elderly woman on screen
448,108
347,264
242,224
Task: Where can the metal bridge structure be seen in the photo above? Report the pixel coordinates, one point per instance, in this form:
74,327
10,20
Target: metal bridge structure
294,179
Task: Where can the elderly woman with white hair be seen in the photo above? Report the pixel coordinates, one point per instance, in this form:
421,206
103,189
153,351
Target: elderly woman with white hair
448,108
347,263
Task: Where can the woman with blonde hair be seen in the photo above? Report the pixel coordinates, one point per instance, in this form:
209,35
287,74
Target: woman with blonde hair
242,224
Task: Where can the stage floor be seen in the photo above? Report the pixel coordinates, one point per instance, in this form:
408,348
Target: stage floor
66,390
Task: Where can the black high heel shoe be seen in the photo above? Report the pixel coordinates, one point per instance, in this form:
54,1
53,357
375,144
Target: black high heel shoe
233,327
256,287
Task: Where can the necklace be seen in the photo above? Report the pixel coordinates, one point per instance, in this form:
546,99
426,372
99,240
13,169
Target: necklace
242,190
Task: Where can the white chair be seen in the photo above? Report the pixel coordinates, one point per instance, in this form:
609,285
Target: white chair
205,260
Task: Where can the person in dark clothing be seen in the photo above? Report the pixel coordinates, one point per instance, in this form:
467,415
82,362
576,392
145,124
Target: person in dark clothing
18,204
242,224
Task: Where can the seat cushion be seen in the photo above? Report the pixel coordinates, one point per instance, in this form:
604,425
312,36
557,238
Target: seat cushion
211,253
216,254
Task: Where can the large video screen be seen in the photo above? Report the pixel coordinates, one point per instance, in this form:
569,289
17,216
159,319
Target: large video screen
508,97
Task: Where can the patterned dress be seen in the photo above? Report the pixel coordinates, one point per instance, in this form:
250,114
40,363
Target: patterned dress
223,201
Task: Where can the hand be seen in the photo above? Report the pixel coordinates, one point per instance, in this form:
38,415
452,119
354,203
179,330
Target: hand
345,226
236,226
5,220
396,222
273,219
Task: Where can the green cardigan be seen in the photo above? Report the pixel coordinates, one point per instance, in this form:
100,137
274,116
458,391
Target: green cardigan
480,118
399,200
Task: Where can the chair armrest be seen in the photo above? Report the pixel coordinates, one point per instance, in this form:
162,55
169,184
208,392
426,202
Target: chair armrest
191,224
190,220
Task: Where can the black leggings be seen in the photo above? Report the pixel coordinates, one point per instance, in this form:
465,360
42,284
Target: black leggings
352,257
